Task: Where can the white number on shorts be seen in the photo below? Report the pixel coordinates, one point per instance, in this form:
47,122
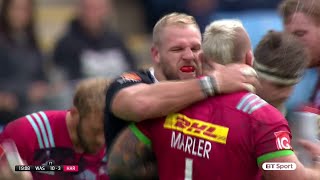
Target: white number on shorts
188,169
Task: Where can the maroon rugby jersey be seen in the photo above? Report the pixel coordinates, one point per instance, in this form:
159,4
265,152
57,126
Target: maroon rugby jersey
43,136
223,137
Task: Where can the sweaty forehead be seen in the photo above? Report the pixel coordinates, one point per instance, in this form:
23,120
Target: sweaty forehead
181,34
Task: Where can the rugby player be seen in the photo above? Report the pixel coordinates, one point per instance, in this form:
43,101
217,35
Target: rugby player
301,18
66,137
226,137
280,66
176,45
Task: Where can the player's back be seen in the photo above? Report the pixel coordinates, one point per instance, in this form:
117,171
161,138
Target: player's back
213,139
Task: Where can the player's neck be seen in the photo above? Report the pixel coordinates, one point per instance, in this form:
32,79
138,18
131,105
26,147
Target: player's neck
158,74
281,107
72,130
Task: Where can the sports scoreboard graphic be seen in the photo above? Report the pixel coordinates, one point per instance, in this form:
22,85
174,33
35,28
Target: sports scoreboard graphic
49,166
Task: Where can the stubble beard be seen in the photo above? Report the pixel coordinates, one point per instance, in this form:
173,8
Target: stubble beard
168,73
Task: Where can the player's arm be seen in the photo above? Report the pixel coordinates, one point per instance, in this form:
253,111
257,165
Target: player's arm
145,101
272,144
21,132
7,174
131,157
299,173
9,157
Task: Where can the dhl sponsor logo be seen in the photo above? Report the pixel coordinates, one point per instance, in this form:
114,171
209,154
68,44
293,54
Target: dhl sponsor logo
197,128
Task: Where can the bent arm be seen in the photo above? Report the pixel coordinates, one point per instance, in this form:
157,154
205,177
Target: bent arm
131,158
146,101
143,101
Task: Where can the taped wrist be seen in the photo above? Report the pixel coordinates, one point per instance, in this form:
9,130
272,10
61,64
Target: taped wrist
208,85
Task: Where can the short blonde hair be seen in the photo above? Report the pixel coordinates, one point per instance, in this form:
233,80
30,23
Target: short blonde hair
169,20
90,96
219,40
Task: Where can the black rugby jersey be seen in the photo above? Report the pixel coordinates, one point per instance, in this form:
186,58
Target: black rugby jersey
113,125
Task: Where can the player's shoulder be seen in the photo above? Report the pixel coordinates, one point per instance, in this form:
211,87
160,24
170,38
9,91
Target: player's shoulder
36,122
20,125
248,103
47,126
255,107
125,80
244,101
47,117
141,76
53,114
233,102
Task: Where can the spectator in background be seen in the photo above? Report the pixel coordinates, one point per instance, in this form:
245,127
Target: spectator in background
90,47
301,18
22,77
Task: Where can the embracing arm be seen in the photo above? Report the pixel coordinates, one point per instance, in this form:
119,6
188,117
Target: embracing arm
147,101
130,158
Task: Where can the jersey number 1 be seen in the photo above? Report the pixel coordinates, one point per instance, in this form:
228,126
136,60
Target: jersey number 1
188,169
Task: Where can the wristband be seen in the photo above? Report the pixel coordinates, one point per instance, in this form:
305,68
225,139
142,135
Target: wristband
207,85
214,85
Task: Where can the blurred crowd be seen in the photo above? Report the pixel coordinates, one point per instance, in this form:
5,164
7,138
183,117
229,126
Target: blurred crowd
32,80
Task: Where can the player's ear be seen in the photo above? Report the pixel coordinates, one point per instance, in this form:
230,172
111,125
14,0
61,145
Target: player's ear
200,63
155,54
208,63
249,58
74,113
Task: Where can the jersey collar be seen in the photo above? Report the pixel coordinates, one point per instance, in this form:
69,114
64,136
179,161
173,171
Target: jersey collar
151,70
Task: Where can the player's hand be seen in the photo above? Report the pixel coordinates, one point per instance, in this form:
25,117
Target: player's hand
234,77
9,157
312,148
6,173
